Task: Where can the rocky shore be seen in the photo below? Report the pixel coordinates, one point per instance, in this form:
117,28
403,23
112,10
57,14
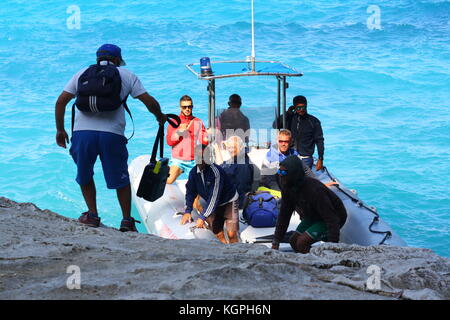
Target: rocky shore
44,255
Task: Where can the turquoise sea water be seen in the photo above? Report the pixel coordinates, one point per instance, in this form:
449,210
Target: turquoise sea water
382,94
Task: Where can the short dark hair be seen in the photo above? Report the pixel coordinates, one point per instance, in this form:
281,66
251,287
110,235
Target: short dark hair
299,99
235,99
185,98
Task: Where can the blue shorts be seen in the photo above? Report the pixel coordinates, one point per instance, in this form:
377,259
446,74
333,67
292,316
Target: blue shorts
184,165
111,147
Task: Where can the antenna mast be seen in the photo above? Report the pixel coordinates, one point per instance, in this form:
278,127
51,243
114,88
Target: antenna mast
253,39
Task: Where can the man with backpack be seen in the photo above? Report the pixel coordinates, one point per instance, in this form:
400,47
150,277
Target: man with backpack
321,211
98,128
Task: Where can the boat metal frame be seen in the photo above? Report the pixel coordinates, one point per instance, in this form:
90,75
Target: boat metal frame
282,85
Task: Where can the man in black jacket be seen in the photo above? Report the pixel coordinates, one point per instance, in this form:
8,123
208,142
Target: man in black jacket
306,132
321,211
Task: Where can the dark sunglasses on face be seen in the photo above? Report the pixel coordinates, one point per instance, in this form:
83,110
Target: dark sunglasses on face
190,107
300,107
283,141
282,172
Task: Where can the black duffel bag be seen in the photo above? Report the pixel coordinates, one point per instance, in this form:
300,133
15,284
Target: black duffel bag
154,177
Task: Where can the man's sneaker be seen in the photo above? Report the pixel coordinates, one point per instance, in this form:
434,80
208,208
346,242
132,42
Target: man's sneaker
128,225
89,219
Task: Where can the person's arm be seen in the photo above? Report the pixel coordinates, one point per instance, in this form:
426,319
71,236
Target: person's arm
284,217
217,154
172,137
191,194
153,106
200,130
328,214
213,194
278,122
319,141
60,109
247,124
245,178
308,171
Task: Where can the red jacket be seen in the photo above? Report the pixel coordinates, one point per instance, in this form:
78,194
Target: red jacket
183,144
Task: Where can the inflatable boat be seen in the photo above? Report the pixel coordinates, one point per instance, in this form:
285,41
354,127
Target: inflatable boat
163,216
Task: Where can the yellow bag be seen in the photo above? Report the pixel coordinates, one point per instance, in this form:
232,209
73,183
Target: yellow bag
273,192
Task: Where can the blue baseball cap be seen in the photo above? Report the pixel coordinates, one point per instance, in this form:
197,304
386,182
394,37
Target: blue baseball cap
111,50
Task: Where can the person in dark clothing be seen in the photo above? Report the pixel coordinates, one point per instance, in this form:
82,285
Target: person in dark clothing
321,211
238,167
306,131
232,120
215,188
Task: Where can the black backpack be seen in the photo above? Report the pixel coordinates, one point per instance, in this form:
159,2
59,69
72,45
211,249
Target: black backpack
98,90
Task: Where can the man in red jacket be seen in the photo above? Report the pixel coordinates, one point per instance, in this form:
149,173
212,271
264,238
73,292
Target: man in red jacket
183,140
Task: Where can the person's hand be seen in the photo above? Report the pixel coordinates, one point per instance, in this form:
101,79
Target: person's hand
200,223
62,138
197,205
186,218
332,184
291,109
275,246
319,165
162,118
210,131
183,127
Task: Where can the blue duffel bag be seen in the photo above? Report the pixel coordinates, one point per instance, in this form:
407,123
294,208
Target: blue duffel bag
261,209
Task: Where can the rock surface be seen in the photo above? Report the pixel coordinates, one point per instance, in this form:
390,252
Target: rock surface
38,249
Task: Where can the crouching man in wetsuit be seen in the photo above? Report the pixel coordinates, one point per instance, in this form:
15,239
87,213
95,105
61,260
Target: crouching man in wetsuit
322,213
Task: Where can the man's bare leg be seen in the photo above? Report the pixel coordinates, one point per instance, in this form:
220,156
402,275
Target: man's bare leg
233,236
174,173
124,197
196,205
221,237
232,221
90,196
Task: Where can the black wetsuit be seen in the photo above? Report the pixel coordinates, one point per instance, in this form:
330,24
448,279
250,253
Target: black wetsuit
311,199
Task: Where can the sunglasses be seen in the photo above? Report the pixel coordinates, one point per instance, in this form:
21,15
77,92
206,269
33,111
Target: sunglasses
300,107
185,107
284,141
282,172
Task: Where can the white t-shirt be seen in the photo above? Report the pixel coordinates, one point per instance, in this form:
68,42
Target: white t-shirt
108,121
